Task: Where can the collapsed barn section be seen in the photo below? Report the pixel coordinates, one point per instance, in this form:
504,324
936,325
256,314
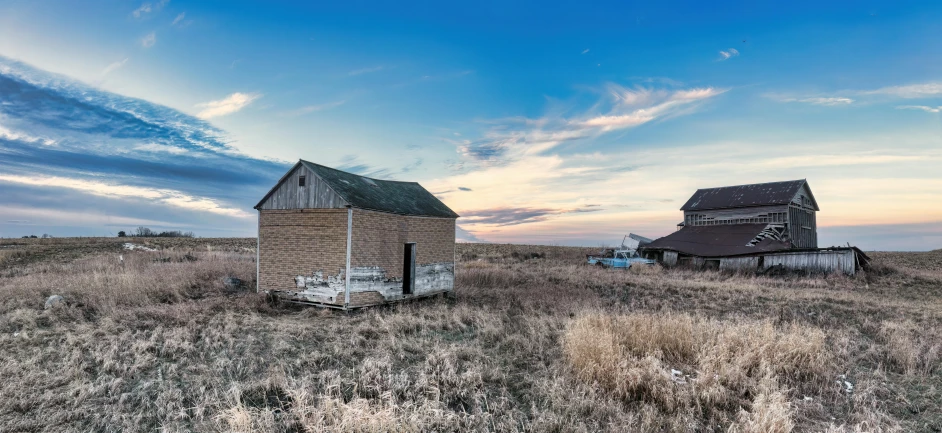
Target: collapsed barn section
337,239
757,227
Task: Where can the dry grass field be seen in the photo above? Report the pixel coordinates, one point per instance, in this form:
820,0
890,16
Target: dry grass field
531,341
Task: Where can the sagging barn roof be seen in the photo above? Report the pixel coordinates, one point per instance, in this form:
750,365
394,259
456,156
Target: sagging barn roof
757,194
403,198
718,240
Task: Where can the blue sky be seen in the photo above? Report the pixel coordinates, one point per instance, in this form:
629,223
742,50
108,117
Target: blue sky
563,123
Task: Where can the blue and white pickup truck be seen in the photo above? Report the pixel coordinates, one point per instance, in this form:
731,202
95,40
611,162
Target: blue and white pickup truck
618,259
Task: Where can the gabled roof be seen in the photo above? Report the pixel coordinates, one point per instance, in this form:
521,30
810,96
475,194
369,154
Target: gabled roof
403,198
717,241
757,194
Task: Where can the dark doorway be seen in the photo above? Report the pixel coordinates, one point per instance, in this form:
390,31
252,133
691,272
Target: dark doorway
408,269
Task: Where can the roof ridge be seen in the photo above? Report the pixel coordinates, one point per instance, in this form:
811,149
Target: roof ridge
751,184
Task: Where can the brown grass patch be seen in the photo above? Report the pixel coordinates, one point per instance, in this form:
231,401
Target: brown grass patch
156,343
697,367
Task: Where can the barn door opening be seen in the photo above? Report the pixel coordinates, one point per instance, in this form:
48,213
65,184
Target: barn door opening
408,269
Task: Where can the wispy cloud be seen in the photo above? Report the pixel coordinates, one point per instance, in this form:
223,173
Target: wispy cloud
111,149
625,108
313,108
515,216
7,134
114,66
925,108
585,51
178,19
149,40
167,196
353,164
227,105
826,101
161,148
728,54
147,8
412,166
366,70
911,91
461,188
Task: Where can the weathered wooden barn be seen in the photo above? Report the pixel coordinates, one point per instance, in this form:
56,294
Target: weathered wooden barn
337,239
753,227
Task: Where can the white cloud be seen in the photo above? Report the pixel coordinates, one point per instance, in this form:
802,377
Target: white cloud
147,8
149,40
911,91
727,54
925,108
827,101
514,139
161,148
143,10
663,102
167,196
178,19
112,67
227,105
22,136
923,90
585,51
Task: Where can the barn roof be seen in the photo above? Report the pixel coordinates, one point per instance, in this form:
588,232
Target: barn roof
757,194
717,241
403,198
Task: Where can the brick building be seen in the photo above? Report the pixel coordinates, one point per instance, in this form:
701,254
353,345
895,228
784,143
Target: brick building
337,239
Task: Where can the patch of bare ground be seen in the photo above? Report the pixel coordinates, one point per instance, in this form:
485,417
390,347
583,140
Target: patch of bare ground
531,341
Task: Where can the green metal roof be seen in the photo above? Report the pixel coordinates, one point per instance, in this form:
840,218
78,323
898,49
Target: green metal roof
403,198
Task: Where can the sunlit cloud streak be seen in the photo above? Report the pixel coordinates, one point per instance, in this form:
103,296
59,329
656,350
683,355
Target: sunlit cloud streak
227,105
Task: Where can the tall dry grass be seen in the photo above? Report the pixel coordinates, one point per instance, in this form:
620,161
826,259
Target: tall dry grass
108,283
701,370
158,344
912,349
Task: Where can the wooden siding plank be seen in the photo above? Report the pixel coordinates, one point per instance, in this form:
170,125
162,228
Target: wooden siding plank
314,195
820,261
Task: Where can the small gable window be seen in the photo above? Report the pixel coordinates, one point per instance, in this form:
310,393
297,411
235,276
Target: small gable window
301,180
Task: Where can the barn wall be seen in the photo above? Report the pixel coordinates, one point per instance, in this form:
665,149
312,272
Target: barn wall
822,261
303,252
757,214
802,227
377,254
748,263
300,242
314,195
376,260
670,258
378,240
